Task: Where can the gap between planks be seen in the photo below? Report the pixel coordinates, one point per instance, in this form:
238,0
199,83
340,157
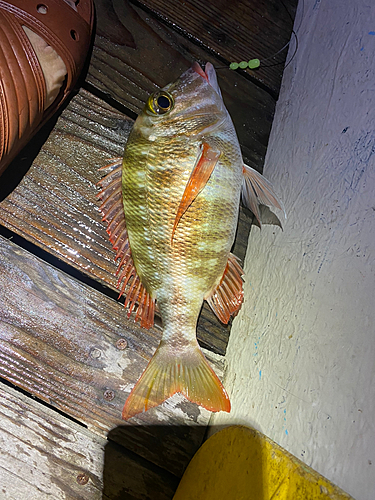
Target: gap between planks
55,205
43,455
59,342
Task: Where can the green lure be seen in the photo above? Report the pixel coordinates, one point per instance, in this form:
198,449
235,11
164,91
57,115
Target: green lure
252,64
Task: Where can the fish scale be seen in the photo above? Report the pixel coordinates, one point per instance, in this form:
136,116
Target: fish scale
182,175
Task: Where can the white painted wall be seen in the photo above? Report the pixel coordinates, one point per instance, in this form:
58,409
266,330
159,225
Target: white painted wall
301,356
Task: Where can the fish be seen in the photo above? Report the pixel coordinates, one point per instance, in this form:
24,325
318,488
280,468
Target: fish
171,206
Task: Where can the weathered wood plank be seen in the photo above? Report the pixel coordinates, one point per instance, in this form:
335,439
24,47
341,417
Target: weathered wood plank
58,338
59,342
44,455
237,31
129,71
55,205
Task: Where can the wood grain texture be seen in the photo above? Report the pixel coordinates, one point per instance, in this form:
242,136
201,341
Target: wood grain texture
55,205
44,455
129,73
58,337
236,31
58,341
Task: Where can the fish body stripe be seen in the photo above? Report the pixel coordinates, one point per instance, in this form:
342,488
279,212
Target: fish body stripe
181,272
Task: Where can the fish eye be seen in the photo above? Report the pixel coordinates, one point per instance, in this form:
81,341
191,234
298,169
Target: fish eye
160,103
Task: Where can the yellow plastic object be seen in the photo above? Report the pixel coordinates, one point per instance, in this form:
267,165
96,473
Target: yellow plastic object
238,463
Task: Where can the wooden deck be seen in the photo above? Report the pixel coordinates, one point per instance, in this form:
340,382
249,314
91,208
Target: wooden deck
68,354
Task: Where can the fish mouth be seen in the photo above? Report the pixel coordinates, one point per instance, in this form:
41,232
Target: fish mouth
209,74
197,68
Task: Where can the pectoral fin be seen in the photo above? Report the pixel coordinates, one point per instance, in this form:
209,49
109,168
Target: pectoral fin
198,179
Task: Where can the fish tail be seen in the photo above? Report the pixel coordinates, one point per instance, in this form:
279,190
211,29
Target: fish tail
168,373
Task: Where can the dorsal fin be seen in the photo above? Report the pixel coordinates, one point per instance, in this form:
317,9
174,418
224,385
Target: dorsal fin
112,210
227,297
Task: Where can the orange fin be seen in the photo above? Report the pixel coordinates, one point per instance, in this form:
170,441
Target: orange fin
227,297
198,179
113,213
167,373
257,190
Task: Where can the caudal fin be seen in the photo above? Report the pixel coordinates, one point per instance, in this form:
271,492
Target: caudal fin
168,373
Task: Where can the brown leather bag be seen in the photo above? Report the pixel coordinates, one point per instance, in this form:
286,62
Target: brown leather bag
22,85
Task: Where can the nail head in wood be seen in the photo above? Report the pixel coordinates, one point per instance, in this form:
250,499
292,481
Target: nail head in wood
82,478
109,395
122,344
95,353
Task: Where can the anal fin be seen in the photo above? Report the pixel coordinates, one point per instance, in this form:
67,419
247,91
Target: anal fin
227,297
128,281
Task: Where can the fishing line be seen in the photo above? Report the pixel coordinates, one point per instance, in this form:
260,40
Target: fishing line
256,63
